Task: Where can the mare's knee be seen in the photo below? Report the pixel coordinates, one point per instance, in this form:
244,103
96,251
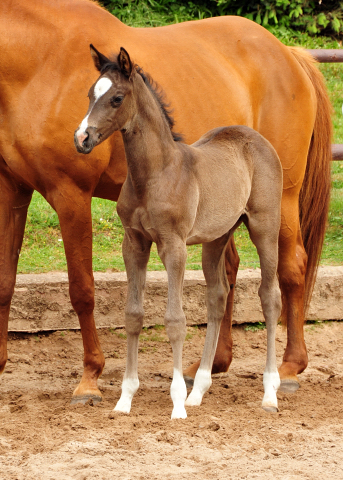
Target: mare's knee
82,298
231,261
292,271
6,292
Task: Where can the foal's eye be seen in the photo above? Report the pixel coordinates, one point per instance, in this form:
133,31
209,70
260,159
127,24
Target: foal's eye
116,101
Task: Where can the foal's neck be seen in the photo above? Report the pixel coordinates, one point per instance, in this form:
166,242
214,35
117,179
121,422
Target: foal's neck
149,144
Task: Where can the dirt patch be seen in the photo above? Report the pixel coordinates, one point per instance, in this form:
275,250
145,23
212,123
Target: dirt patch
229,437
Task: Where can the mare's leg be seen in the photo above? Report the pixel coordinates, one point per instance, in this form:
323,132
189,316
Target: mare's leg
14,202
73,207
136,252
173,254
213,263
264,233
292,270
223,356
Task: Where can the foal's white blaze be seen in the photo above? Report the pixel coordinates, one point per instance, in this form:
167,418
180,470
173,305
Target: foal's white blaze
128,389
100,88
83,124
271,383
178,393
202,383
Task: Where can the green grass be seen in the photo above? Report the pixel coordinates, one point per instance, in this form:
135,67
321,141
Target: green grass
333,244
43,246
254,327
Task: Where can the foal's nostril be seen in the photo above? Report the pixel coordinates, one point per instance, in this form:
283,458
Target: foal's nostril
80,137
84,141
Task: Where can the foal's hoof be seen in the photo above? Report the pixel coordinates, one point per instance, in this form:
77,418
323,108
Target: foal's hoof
115,414
270,409
289,386
179,413
189,381
83,399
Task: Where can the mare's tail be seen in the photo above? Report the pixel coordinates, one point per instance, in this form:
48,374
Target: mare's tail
315,192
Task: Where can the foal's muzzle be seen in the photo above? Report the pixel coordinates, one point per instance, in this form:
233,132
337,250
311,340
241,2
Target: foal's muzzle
83,141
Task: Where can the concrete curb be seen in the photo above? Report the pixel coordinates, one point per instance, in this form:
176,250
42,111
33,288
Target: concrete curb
41,301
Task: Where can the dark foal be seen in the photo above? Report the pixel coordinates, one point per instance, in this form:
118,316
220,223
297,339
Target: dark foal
177,195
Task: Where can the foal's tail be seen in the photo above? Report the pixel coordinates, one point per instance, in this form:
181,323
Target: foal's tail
315,192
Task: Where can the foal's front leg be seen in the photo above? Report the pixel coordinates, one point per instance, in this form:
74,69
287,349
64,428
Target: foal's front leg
136,252
173,254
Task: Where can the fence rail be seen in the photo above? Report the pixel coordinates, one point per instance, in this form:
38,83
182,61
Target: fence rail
327,55
330,56
337,151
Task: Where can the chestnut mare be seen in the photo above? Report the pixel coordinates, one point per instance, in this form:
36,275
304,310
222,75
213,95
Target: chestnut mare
177,195
230,71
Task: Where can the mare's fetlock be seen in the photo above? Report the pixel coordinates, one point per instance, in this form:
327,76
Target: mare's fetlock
94,365
2,365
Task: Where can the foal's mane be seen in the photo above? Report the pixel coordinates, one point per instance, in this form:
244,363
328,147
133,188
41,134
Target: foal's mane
156,91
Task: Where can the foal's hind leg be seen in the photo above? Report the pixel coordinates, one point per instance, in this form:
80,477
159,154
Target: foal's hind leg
14,202
264,234
213,263
223,356
136,252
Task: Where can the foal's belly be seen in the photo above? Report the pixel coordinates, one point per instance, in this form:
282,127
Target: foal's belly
209,228
223,196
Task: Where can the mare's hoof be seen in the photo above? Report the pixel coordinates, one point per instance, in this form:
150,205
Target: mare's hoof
289,386
270,409
189,381
83,399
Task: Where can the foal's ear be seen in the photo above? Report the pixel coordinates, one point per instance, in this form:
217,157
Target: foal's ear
125,63
98,58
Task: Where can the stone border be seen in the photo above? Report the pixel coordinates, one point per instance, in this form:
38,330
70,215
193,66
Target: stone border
41,301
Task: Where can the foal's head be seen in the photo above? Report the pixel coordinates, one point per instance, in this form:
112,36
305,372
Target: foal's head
110,100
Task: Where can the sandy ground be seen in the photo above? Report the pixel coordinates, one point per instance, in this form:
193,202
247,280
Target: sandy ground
229,437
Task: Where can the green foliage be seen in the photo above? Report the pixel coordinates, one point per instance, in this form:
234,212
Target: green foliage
312,16
155,13
306,15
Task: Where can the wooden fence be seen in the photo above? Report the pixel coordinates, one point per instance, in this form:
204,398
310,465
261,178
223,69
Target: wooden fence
330,56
